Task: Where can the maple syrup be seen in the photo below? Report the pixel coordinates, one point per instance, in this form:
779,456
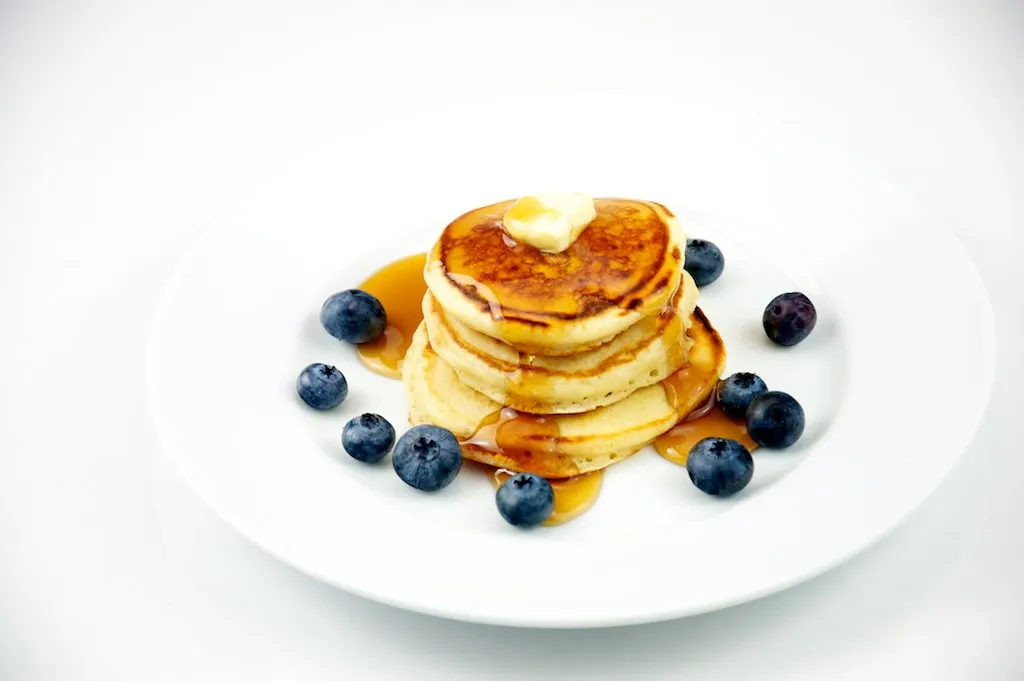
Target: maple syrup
687,386
520,437
683,387
524,384
707,421
400,288
573,496
516,436
483,291
675,339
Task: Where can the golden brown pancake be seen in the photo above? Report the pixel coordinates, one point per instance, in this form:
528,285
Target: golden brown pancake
623,267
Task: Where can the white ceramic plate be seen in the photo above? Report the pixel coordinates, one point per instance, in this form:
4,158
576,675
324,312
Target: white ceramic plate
894,379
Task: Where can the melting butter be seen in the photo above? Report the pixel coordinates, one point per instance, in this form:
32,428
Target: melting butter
550,222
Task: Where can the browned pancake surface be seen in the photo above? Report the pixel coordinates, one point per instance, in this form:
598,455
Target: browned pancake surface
621,259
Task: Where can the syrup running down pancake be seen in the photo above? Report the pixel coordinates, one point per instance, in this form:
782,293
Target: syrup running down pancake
559,445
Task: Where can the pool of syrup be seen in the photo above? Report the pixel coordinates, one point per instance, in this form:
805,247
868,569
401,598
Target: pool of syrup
399,287
707,421
521,438
573,496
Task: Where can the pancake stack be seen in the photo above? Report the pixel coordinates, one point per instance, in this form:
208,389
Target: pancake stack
561,363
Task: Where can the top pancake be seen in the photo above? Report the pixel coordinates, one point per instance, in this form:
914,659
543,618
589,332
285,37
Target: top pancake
623,267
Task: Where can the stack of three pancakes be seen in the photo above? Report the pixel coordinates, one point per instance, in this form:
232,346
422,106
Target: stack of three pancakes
561,363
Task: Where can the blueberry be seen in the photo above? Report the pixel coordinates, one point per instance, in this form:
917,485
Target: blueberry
737,392
427,457
704,261
322,386
525,500
775,420
354,316
720,466
789,318
368,437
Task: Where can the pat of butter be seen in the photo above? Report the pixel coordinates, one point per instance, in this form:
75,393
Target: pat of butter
550,222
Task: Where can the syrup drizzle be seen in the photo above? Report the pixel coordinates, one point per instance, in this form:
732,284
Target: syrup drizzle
526,386
707,421
521,437
482,290
516,435
682,389
400,288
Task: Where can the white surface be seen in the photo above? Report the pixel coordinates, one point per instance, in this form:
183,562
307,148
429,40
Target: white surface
123,131
228,340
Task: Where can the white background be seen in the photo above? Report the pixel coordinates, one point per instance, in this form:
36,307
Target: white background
126,127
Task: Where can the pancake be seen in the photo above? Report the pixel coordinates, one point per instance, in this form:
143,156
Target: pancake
559,446
623,267
638,357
